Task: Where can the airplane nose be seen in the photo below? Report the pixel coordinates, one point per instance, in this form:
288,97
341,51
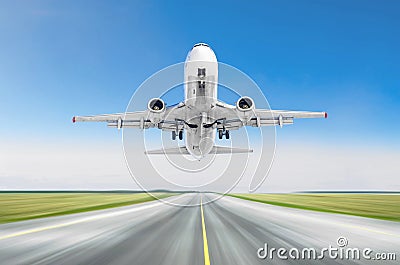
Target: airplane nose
201,53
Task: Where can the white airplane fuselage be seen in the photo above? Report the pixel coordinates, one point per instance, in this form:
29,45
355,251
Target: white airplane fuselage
201,82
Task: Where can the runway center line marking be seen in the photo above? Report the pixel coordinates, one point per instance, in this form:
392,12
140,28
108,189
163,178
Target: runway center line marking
205,243
82,220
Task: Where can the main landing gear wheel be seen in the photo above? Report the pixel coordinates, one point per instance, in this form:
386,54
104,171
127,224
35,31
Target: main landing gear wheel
221,133
180,135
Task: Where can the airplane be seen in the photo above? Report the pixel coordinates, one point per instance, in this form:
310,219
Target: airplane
201,115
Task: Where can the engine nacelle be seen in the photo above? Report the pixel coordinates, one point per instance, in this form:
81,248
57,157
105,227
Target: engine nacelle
156,105
245,104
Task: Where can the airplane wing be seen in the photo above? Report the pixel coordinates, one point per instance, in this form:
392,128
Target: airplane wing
170,120
228,117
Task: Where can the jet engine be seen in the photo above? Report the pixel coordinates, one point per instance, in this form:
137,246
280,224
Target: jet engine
245,104
156,105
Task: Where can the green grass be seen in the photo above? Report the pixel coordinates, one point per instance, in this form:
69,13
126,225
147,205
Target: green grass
386,207
23,206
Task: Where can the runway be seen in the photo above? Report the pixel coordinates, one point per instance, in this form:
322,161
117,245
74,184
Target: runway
229,230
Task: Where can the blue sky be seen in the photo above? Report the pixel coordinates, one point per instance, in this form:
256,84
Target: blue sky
64,58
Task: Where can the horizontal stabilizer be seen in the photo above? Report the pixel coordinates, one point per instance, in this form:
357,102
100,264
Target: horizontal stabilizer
229,150
173,151
183,151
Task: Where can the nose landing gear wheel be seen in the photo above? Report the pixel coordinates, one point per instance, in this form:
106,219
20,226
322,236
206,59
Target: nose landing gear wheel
227,135
173,135
180,135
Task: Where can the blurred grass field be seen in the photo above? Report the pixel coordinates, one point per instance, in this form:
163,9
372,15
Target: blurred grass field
380,206
23,206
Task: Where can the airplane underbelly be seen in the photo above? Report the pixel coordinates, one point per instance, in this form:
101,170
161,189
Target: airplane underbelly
200,142
201,78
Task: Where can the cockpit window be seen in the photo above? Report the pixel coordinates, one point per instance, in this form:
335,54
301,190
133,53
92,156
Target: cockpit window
200,44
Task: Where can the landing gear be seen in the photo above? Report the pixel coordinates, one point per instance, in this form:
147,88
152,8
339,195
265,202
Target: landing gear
221,133
180,135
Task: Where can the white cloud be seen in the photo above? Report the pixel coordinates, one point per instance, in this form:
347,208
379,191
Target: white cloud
63,166
308,167
296,168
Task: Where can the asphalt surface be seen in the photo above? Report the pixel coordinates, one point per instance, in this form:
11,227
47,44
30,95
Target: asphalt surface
156,233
